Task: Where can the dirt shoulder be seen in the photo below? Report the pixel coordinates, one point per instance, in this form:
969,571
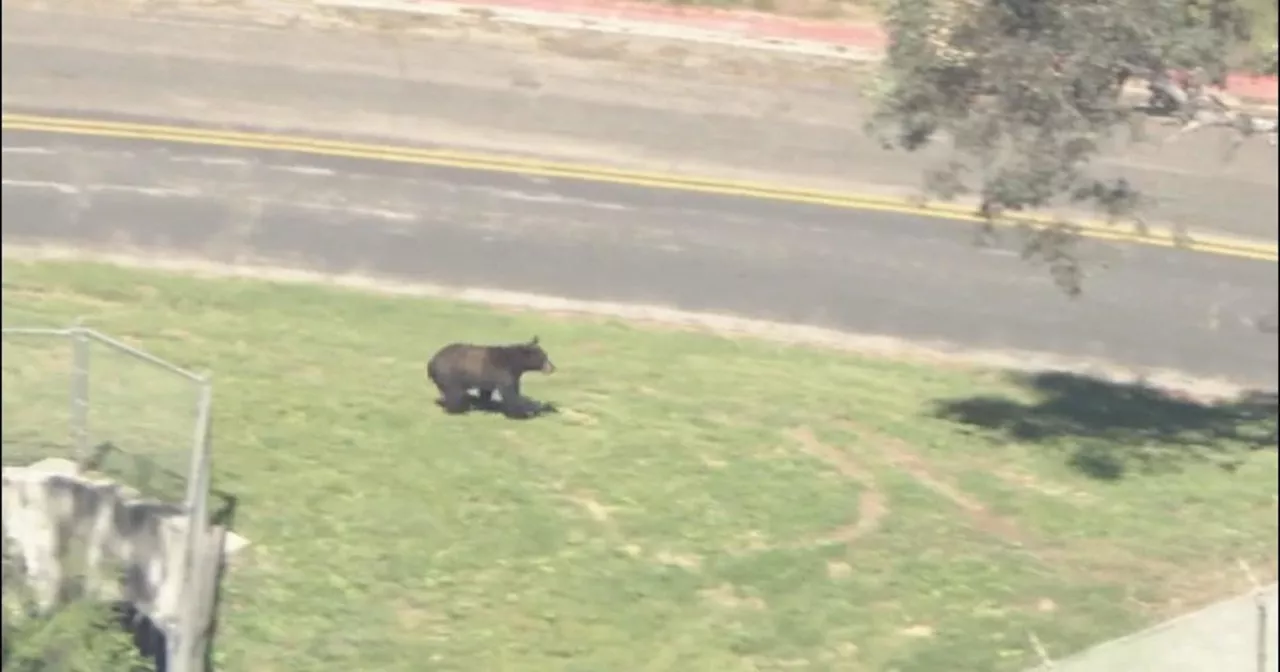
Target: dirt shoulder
630,102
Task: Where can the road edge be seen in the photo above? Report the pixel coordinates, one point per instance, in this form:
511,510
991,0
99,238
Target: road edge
1199,388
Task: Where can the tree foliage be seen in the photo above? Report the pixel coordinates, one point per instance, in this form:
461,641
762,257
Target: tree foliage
1027,93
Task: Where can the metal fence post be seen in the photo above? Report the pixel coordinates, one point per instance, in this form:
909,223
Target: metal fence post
199,445
183,655
80,346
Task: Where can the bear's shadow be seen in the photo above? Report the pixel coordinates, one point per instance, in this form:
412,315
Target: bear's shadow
526,408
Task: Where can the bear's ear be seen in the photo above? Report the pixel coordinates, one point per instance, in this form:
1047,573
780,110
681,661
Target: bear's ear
534,341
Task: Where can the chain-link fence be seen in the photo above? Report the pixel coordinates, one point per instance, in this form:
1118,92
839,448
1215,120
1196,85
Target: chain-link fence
105,413
80,395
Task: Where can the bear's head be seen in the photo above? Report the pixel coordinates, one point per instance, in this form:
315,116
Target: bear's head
531,357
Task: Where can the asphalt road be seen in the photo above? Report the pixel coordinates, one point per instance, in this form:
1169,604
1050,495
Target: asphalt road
857,271
633,103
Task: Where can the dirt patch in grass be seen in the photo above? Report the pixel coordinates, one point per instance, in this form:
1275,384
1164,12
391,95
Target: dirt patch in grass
898,456
1083,559
731,503
873,504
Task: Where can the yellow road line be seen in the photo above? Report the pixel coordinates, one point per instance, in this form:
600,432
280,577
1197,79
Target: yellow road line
1213,244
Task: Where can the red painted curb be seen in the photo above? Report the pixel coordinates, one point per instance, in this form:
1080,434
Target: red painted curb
771,26
1253,87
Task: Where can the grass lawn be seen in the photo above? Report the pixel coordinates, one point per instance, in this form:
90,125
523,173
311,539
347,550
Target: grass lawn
699,503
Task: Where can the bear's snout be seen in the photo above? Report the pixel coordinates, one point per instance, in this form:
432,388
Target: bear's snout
548,367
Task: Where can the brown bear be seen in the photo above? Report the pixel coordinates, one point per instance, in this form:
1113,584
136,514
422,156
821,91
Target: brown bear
459,368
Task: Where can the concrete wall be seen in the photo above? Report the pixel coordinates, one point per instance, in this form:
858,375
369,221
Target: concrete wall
1219,638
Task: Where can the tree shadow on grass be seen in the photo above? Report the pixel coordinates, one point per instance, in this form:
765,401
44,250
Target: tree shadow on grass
1110,429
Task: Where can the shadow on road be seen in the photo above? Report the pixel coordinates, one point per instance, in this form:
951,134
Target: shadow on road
1110,429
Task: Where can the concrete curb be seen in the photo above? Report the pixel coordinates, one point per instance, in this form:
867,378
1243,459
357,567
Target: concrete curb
1220,636
739,30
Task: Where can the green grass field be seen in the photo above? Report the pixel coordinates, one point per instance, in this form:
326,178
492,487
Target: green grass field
699,503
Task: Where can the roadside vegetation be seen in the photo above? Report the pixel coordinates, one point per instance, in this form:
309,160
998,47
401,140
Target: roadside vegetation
1028,95
1257,35
82,638
698,502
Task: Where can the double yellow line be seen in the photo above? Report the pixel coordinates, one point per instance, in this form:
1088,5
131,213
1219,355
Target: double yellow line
1213,244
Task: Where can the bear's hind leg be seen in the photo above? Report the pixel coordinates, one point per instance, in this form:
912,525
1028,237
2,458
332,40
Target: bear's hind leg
454,401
